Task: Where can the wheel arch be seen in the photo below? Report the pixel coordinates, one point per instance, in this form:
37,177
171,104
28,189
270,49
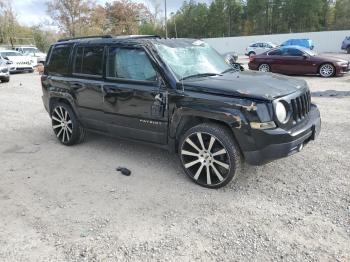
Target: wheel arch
183,122
62,98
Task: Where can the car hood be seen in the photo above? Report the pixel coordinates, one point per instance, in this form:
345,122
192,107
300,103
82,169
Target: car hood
258,85
332,59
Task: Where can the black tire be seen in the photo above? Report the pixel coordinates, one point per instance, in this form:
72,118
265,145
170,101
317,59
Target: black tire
348,50
31,71
65,125
251,53
5,80
220,156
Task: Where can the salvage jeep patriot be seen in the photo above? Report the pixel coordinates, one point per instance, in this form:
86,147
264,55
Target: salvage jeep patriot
178,94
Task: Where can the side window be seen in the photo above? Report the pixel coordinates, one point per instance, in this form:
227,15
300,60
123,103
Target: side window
276,52
58,63
130,63
254,45
294,52
88,60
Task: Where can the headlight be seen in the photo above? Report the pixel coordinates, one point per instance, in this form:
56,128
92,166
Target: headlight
281,112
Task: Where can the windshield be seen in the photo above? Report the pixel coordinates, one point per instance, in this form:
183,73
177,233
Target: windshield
30,50
187,58
5,54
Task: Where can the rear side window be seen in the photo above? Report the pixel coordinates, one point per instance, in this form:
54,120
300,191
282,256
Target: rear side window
254,45
294,52
88,60
130,63
276,52
59,60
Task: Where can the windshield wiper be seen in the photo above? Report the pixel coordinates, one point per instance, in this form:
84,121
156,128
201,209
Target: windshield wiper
200,75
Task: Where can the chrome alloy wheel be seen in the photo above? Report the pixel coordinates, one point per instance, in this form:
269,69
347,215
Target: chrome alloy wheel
264,68
205,159
62,124
326,70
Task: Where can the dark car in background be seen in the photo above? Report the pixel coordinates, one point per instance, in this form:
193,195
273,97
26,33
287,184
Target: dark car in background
346,44
306,43
295,60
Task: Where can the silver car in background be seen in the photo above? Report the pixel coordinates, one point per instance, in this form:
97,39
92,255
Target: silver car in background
4,70
258,48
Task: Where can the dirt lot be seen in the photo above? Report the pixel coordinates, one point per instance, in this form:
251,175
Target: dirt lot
62,203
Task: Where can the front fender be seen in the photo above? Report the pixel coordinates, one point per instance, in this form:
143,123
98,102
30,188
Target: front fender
231,117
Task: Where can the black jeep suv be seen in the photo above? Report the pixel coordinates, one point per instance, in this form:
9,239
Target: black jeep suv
178,94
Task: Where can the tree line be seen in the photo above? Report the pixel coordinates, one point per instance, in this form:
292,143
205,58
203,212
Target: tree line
193,19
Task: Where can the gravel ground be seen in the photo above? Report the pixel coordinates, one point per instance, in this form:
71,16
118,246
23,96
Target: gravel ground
62,203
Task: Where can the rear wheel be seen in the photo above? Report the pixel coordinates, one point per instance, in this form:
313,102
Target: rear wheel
251,54
264,68
65,125
327,70
209,155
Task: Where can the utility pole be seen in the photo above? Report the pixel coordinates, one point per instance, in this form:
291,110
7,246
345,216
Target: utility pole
166,22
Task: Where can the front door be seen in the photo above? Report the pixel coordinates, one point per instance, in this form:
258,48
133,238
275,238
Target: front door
294,62
134,100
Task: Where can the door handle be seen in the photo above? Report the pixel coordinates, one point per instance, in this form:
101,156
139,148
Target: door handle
159,98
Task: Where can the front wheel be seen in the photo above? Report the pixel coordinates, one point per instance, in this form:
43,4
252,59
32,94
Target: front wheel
327,70
65,125
209,155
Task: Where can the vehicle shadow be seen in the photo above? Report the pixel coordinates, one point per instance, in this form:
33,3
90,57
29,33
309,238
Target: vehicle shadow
330,93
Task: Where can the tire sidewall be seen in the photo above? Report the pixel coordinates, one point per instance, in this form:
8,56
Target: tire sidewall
228,143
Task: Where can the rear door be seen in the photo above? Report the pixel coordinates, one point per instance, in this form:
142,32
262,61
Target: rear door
135,100
87,84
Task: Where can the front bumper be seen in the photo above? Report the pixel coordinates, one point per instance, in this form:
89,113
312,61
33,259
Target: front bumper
287,142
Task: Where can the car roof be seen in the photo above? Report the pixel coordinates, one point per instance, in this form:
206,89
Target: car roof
8,50
106,39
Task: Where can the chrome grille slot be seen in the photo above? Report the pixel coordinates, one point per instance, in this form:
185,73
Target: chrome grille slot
301,106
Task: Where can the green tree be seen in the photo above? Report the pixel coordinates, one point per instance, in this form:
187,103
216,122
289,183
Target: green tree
342,15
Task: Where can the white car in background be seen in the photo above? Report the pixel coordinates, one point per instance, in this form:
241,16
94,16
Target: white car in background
4,70
33,52
18,62
258,48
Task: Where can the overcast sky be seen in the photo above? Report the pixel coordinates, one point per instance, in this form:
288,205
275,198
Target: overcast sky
32,12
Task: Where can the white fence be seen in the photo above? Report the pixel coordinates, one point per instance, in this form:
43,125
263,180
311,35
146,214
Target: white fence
327,41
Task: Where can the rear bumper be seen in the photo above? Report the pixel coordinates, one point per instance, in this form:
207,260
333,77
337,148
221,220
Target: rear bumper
288,142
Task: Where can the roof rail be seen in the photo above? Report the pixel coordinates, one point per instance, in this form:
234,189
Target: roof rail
84,37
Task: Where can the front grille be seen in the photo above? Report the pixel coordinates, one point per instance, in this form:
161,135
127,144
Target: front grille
23,63
301,106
